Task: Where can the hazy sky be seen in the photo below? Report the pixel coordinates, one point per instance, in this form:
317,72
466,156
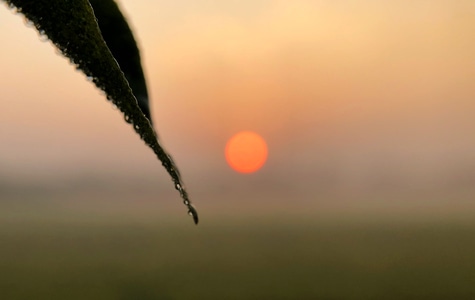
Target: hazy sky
352,87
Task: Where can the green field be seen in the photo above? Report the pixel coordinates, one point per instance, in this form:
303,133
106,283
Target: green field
104,257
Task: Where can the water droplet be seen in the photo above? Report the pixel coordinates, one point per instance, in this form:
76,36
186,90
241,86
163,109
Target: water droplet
43,36
28,23
90,78
15,9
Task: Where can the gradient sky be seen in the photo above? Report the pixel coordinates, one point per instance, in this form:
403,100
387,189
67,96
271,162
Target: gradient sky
354,90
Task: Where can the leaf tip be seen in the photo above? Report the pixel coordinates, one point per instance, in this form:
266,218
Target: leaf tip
194,213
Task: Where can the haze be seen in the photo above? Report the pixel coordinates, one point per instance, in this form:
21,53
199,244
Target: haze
366,97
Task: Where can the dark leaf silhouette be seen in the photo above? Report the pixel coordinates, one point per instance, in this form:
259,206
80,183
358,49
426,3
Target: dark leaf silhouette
120,40
71,26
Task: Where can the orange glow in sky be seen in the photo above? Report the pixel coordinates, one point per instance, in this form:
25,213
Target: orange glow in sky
246,152
337,81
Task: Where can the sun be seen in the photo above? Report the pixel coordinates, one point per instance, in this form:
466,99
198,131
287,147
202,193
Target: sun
246,152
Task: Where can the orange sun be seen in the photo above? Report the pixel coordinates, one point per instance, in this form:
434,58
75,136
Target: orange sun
246,152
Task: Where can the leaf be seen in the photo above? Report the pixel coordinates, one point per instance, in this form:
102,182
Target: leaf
121,42
72,27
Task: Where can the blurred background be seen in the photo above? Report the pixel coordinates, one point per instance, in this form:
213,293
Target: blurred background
368,190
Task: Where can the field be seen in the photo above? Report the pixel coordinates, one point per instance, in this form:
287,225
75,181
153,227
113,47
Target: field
54,252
